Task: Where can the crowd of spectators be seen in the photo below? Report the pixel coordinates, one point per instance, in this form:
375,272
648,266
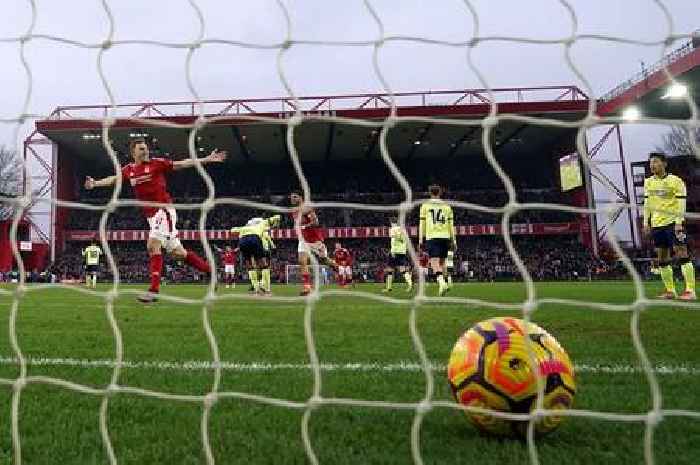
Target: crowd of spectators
226,216
361,175
482,258
361,182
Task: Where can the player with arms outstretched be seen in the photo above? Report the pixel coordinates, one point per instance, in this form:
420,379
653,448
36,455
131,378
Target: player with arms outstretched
343,259
228,258
92,254
664,212
311,241
250,243
398,258
436,229
147,177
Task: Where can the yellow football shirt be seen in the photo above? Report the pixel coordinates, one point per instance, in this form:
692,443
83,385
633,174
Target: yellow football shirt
92,255
664,200
257,227
267,241
399,243
436,220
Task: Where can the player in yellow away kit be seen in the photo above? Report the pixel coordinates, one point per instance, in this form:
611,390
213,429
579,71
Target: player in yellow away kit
664,212
398,257
92,254
250,243
437,228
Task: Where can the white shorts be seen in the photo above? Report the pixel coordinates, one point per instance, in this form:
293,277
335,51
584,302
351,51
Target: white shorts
424,270
164,229
316,248
345,271
229,268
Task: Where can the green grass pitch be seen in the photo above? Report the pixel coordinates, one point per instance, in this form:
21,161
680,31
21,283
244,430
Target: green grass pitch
367,352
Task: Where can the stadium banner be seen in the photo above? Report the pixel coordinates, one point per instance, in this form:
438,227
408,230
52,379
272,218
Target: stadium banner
536,229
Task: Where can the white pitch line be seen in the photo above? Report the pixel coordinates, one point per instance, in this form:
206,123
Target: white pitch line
401,366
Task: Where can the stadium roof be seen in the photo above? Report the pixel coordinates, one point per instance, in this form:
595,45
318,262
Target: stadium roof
651,91
77,130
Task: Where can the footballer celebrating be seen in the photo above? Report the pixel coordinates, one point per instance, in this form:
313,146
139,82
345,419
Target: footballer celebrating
311,240
343,258
147,177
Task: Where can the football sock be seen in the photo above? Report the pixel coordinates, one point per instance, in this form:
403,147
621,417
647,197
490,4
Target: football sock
94,280
409,278
156,265
449,280
667,278
254,279
306,279
440,279
266,279
389,280
197,262
688,270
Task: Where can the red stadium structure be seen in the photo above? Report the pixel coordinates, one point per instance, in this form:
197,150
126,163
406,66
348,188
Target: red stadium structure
75,139
70,139
649,92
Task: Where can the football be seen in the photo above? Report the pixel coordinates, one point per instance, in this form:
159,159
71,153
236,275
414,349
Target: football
490,368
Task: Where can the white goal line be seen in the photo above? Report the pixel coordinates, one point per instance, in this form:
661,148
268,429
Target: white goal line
400,366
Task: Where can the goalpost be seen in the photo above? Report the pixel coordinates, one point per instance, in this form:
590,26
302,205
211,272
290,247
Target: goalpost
292,274
291,121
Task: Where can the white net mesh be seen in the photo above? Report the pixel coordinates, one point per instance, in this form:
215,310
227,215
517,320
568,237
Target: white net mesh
315,400
293,274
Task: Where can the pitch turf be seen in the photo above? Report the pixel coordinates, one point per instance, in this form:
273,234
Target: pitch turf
66,335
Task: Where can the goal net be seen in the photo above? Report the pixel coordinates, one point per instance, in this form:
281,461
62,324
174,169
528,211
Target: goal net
294,113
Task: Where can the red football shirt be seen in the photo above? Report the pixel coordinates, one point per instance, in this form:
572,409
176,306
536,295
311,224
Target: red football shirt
148,181
312,234
342,257
228,257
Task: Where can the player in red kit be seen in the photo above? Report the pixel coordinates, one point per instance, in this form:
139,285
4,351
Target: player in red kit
228,256
343,259
311,241
146,176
